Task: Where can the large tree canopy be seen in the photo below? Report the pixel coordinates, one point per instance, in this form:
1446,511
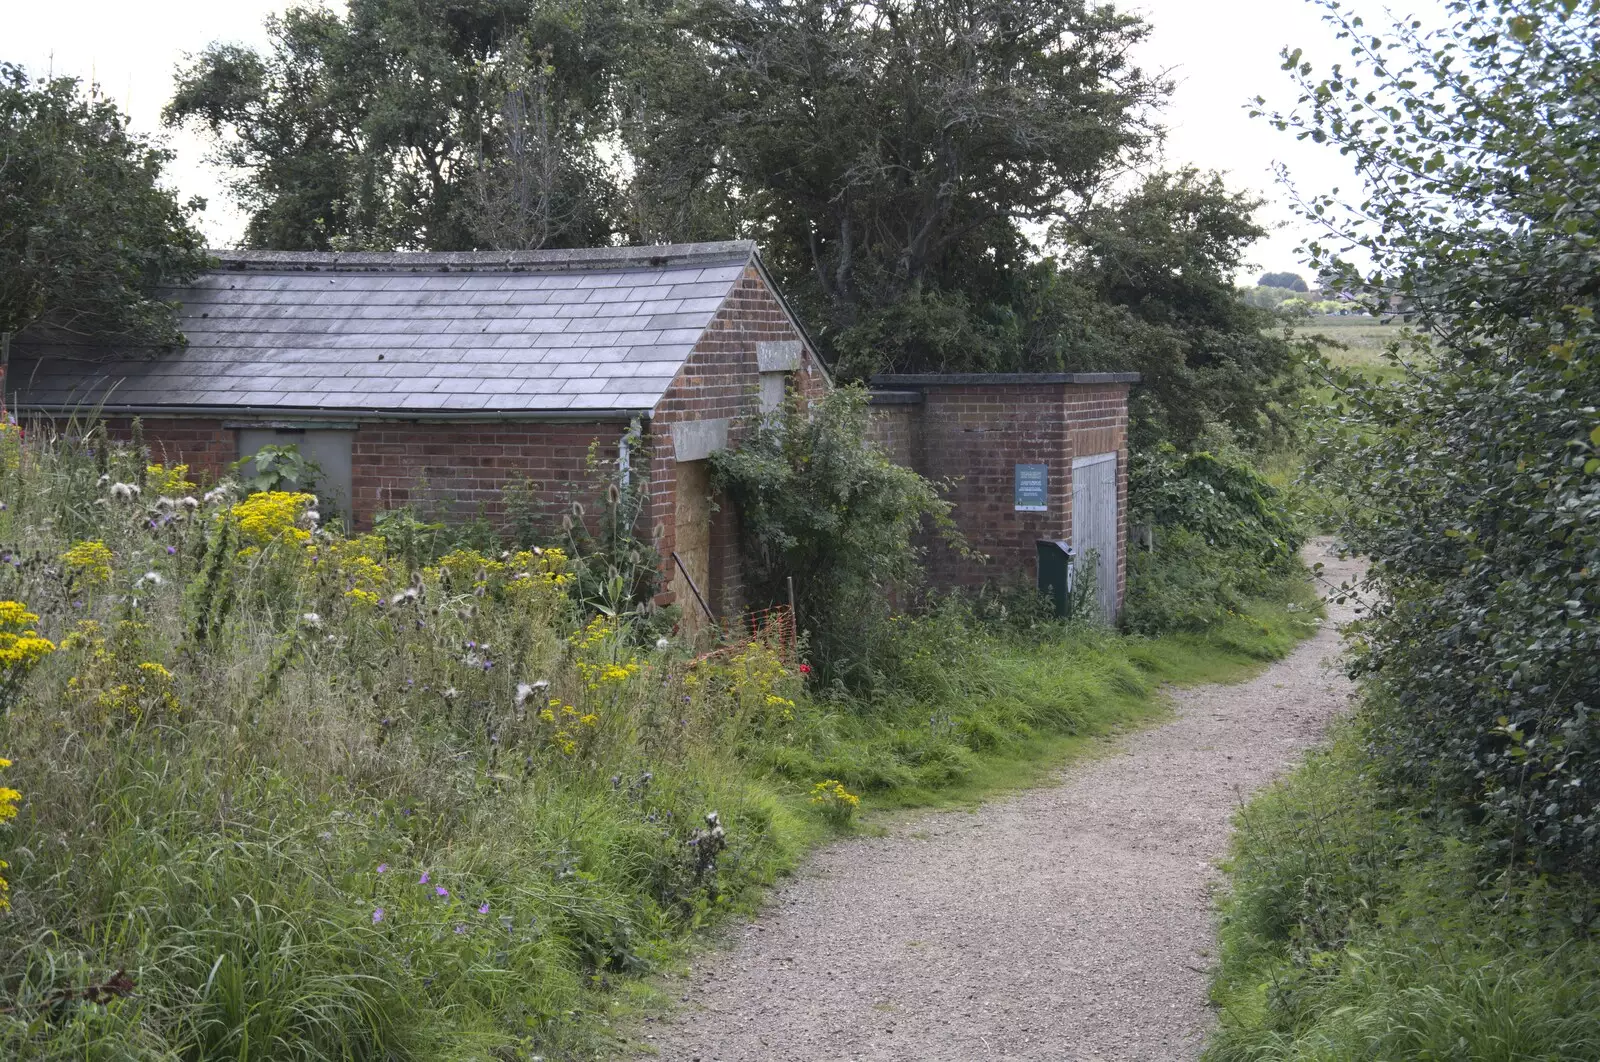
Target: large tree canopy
937,184
417,124
86,231
905,167
890,156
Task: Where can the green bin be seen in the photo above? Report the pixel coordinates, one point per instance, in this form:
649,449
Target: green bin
1055,573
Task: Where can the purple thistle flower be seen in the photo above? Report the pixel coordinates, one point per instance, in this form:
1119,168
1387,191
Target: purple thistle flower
424,879
383,868
171,550
377,915
441,892
484,909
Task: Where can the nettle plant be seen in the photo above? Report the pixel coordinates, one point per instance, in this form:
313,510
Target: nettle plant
1473,481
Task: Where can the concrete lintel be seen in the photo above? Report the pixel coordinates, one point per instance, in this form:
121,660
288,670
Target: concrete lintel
778,355
696,440
894,398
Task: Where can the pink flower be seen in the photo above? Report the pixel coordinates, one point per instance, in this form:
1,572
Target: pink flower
383,868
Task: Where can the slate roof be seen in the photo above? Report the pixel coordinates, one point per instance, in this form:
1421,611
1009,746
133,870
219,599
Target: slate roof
531,332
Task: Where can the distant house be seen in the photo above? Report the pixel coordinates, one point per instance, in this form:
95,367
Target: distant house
436,379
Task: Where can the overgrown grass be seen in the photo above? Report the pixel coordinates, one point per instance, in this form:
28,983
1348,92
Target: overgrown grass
1356,929
320,800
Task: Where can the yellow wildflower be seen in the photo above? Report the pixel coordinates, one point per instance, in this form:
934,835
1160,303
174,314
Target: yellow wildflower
8,810
172,482
21,647
89,561
836,802
10,447
270,515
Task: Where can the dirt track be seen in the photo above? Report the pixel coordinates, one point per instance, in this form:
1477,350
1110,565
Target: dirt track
1068,922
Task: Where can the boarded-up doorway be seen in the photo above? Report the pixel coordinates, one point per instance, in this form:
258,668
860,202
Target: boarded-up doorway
1094,524
329,450
692,536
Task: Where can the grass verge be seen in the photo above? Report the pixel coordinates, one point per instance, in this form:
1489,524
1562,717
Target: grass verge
1356,929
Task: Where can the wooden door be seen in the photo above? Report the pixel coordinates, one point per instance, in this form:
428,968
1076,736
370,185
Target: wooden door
692,533
1094,525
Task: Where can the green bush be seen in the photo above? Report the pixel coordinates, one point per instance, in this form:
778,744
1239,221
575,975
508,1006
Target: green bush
1354,928
1222,535
1471,475
817,503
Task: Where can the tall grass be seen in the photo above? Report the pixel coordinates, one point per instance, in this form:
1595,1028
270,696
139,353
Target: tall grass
320,799
1355,929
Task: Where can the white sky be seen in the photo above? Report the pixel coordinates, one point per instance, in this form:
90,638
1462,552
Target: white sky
1222,54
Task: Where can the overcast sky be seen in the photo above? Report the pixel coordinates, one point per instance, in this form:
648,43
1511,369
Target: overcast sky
1221,54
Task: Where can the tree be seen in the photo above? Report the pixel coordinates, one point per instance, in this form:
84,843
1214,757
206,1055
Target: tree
900,163
439,124
87,234
1473,481
1164,256
888,156
1288,281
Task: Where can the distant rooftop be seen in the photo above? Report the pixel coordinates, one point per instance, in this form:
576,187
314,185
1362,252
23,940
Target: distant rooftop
525,332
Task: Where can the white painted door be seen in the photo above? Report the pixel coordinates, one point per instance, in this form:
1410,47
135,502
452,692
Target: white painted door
1094,524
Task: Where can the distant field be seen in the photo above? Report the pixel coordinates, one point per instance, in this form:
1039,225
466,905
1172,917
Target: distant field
1355,342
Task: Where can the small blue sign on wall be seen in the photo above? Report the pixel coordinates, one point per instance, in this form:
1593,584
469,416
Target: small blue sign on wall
1032,489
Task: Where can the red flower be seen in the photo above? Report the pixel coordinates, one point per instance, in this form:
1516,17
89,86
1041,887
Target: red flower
805,669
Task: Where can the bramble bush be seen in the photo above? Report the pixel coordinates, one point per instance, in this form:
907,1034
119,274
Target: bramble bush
1222,536
817,503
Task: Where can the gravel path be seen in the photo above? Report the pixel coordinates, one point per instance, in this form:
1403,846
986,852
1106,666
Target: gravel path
1069,922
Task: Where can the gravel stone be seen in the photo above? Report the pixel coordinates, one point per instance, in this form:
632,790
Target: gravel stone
1072,922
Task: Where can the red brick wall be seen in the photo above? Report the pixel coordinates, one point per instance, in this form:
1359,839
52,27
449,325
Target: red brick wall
453,471
457,471
896,430
975,435
720,379
202,443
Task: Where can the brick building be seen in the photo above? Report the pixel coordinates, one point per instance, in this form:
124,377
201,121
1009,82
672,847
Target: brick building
437,379
1029,456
